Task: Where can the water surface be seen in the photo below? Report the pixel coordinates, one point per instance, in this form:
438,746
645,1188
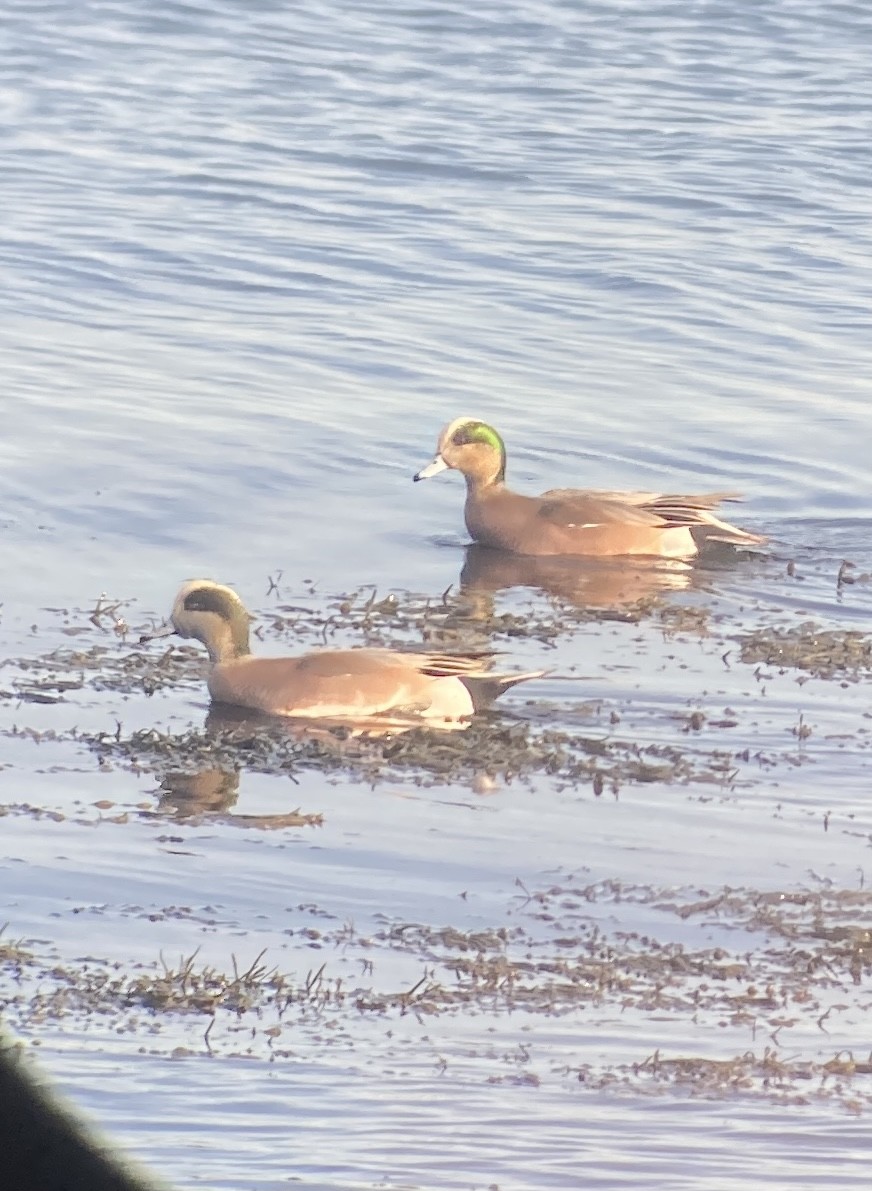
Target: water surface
252,259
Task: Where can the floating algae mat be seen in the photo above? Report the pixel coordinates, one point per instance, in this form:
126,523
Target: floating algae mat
790,965
825,653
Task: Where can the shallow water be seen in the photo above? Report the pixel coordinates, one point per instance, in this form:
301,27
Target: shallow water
251,261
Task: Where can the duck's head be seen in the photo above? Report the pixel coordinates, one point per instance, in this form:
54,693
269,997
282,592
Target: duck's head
213,614
471,446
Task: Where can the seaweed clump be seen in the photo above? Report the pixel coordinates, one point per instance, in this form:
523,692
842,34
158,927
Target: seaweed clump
823,653
491,746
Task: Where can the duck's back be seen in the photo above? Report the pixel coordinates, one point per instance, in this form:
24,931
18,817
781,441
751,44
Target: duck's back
588,522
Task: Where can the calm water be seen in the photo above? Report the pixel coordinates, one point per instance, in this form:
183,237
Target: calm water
251,258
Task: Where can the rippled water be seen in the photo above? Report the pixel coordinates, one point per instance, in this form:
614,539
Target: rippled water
252,257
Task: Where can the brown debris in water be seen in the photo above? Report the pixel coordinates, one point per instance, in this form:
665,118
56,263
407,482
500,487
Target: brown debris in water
785,985
460,618
824,653
492,745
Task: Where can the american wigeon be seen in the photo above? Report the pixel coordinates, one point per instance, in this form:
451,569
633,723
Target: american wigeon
574,520
329,683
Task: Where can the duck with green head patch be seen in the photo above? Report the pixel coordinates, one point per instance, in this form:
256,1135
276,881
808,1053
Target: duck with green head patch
574,521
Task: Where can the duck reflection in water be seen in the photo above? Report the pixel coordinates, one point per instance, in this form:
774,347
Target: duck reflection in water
584,583
210,791
214,789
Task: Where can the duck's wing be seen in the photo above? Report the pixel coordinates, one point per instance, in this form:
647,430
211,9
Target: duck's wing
355,683
575,507
324,684
341,682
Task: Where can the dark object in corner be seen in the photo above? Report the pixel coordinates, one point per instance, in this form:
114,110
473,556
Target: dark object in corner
43,1144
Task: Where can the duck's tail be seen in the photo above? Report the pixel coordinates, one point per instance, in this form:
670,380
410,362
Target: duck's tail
485,688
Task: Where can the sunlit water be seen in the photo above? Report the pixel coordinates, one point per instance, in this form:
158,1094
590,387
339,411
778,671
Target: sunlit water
251,258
